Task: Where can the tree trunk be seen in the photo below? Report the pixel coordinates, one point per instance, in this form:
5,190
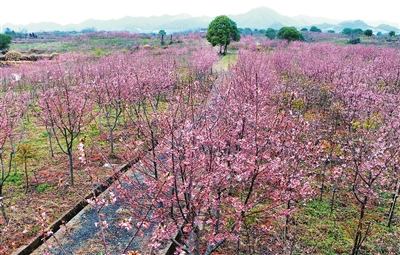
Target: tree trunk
4,176
112,140
36,180
153,152
333,199
286,223
393,205
322,183
3,209
71,166
50,143
358,239
26,176
225,48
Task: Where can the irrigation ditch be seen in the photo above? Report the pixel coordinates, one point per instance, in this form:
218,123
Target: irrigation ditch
83,237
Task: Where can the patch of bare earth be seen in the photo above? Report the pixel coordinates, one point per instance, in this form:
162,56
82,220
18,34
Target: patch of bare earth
56,198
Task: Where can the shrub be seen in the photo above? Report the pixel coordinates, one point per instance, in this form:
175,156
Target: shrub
97,52
355,41
33,57
15,179
290,34
5,41
43,187
270,33
13,56
315,29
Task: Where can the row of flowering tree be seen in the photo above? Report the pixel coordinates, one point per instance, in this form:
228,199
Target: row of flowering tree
66,95
353,93
232,157
279,129
224,154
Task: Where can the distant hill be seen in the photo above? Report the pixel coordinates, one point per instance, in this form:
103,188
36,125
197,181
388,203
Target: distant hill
385,27
306,21
133,24
260,18
352,24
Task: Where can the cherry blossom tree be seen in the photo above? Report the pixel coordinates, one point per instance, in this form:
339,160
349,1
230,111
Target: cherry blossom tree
10,116
110,90
64,105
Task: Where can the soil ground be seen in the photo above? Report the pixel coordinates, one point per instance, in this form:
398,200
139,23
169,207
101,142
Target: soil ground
49,195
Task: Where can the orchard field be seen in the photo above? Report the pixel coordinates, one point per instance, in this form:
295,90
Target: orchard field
275,148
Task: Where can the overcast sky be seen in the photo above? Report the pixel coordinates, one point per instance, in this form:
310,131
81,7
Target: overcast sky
75,11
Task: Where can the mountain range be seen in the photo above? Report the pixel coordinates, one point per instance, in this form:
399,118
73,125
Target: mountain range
260,18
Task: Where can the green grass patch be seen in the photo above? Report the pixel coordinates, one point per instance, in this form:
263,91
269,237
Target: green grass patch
44,187
225,61
93,130
15,179
322,229
33,231
317,208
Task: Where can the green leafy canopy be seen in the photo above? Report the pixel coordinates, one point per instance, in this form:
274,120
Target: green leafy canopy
290,34
5,41
221,31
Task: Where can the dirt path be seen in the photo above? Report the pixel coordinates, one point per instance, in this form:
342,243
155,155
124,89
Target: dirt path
223,64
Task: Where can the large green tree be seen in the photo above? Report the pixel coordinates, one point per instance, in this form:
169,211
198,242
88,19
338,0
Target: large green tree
315,29
368,32
163,34
5,41
221,31
347,31
270,33
290,34
358,31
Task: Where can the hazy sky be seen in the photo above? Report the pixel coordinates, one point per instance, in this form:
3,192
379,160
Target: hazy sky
76,11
